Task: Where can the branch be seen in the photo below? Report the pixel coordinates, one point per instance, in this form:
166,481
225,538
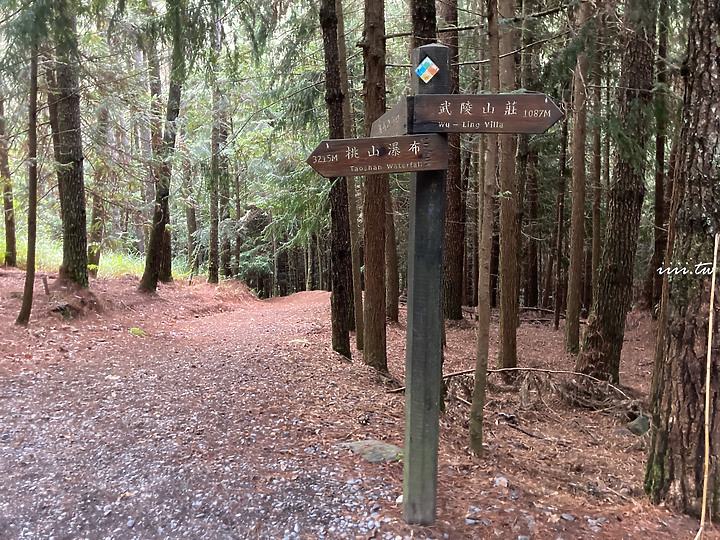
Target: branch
528,369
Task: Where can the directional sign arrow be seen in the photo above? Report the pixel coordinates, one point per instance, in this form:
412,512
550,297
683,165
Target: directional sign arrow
379,155
484,113
393,123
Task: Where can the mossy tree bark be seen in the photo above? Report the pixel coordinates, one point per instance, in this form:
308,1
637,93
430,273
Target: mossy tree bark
675,462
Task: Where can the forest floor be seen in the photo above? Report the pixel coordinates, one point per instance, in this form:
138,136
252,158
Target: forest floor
203,412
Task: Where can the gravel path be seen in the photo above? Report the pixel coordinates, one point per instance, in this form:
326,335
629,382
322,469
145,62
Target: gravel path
211,429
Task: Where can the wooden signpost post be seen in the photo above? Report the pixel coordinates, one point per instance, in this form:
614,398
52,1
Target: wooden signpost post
423,356
408,138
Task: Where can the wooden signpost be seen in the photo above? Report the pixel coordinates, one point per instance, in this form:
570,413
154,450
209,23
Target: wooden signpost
394,122
492,113
408,138
379,155
423,355
476,113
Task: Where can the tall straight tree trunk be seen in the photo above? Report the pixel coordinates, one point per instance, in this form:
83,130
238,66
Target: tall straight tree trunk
454,208
652,287
531,287
340,267
214,247
238,214
507,355
558,291
577,213
71,173
191,220
597,166
224,209
373,45
527,172
24,315
602,343
487,217
218,168
143,137
548,285
674,471
52,100
157,261
97,216
392,273
356,322
7,192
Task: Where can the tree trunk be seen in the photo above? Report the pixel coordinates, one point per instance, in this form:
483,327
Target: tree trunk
238,215
218,170
577,215
527,171
548,286
507,350
558,292
600,355
97,216
214,247
52,100
340,267
531,286
24,315
392,274
71,172
597,169
191,220
356,321
487,217
10,258
224,209
158,259
424,23
652,287
674,471
454,209
373,44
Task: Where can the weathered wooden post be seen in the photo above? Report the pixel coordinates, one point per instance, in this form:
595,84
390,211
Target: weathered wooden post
426,115
423,367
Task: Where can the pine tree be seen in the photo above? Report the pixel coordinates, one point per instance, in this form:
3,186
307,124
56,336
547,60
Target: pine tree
675,462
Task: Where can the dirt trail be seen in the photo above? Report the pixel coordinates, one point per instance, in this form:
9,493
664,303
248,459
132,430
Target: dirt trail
224,422
207,429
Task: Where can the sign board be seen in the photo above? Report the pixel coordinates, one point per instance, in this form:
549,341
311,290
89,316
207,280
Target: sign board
379,155
483,113
393,123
